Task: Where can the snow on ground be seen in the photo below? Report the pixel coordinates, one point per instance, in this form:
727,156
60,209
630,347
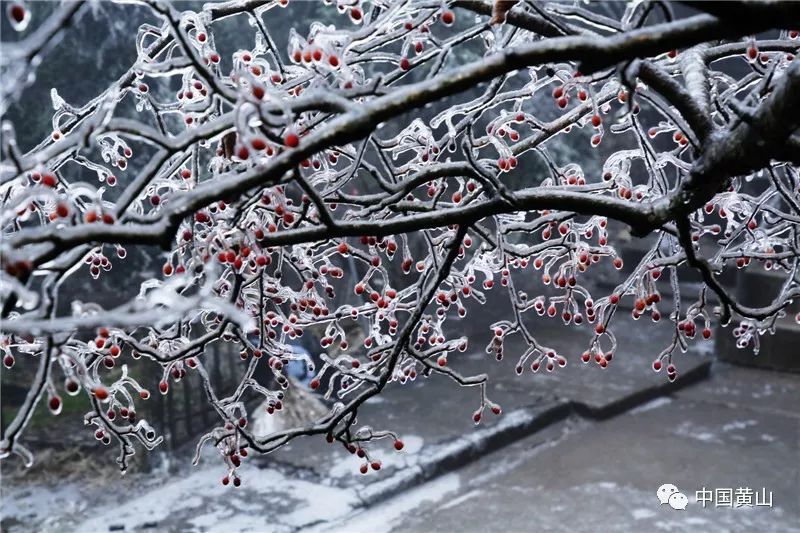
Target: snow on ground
267,501
387,515
652,404
697,432
41,504
408,456
195,500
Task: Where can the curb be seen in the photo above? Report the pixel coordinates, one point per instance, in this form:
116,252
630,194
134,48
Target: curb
515,426
626,403
461,451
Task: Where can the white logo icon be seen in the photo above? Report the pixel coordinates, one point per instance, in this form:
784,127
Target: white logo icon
669,493
678,501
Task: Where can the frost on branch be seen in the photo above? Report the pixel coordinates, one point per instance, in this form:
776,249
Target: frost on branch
370,184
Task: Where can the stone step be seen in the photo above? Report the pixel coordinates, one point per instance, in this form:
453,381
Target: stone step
757,287
778,351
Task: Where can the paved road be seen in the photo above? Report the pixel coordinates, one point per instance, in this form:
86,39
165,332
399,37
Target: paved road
740,429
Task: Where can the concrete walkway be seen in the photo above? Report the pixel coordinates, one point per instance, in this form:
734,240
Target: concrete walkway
741,428
434,416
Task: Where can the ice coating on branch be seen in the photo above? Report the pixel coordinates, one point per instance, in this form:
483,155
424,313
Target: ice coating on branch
695,73
58,102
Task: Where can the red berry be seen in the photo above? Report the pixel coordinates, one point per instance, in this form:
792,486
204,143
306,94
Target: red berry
448,17
49,180
291,140
101,393
398,445
17,13
62,210
54,404
405,64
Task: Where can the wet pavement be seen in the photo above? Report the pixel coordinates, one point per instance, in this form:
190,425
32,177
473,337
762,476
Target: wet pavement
740,429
